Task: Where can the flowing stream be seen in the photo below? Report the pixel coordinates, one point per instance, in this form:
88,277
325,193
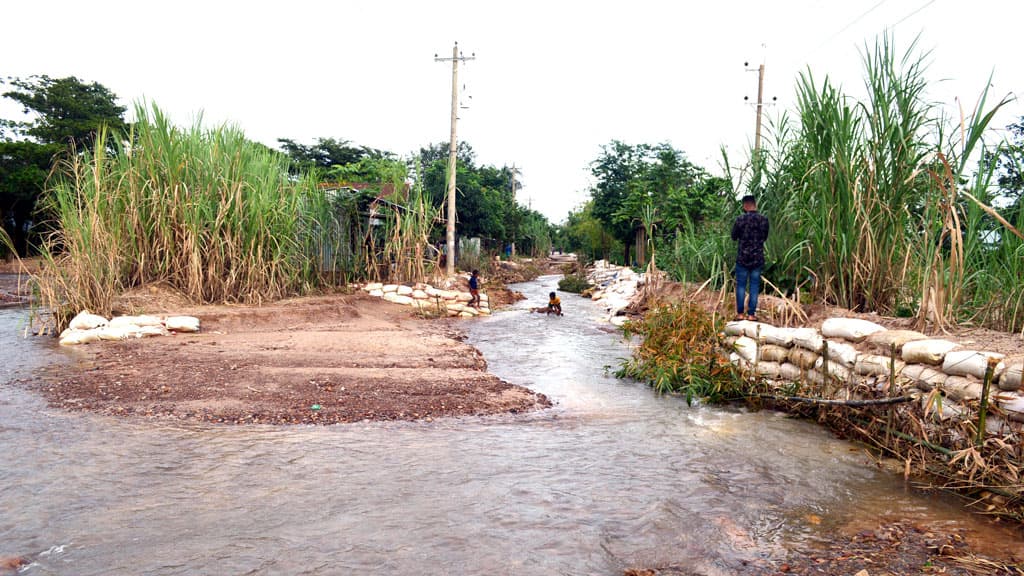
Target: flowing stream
612,477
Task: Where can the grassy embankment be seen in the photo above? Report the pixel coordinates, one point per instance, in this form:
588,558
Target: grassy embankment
215,216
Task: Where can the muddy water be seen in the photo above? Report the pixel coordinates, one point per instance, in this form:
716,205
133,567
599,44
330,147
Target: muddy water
612,477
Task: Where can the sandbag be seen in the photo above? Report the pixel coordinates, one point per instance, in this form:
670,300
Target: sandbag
86,320
943,408
371,286
387,288
398,299
121,332
135,321
404,290
875,364
74,337
807,338
924,377
886,339
791,372
746,348
772,353
961,388
840,352
182,323
836,370
852,329
376,293
777,336
419,295
972,363
803,358
1011,377
736,328
1011,402
767,369
931,351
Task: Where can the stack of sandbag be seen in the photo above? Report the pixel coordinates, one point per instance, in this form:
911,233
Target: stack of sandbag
852,352
453,303
87,327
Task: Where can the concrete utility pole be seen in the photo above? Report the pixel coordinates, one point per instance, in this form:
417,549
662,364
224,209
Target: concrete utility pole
456,57
513,172
760,104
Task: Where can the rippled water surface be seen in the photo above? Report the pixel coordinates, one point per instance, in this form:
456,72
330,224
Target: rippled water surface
612,477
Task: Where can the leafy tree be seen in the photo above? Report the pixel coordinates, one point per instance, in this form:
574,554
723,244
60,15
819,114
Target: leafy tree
1010,164
66,113
326,153
23,170
67,110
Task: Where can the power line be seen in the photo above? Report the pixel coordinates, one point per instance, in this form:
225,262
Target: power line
851,23
901,20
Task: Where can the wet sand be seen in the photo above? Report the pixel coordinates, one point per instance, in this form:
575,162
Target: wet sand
321,360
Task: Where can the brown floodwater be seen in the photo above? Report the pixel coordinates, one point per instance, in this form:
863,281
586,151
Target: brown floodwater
613,476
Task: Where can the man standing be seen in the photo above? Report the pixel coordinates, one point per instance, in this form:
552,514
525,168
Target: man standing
750,230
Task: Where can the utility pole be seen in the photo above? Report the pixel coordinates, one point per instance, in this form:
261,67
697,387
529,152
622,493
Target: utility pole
456,57
513,251
760,104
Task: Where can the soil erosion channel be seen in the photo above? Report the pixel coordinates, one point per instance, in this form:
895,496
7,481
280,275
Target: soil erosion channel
611,477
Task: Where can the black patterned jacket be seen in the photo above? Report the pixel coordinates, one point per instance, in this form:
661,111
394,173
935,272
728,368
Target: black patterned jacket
751,230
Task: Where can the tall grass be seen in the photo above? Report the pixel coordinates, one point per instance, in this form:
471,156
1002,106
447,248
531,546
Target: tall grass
879,203
204,210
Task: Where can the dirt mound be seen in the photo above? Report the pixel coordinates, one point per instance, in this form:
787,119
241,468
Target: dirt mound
306,360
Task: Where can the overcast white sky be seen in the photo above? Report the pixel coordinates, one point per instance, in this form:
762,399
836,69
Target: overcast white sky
552,80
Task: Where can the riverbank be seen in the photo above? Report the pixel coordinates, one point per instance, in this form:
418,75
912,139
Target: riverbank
318,360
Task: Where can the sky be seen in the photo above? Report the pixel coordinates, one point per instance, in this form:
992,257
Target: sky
550,83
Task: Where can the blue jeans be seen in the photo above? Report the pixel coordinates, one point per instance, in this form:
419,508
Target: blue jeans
743,276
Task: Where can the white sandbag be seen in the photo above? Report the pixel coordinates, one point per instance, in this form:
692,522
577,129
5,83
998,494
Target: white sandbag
147,331
136,321
470,310
931,351
961,388
86,320
807,338
388,288
464,297
737,328
370,287
773,353
885,340
777,336
376,293
836,370
923,376
767,369
840,352
404,290
182,323
876,364
1011,377
972,363
484,297
419,295
803,358
398,299
791,372
746,348
618,321
74,337
852,329
1011,402
120,332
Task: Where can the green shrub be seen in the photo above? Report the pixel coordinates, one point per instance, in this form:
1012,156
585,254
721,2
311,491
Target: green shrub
573,283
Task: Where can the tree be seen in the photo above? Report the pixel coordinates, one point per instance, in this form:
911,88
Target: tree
24,167
324,154
67,110
1010,164
67,113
